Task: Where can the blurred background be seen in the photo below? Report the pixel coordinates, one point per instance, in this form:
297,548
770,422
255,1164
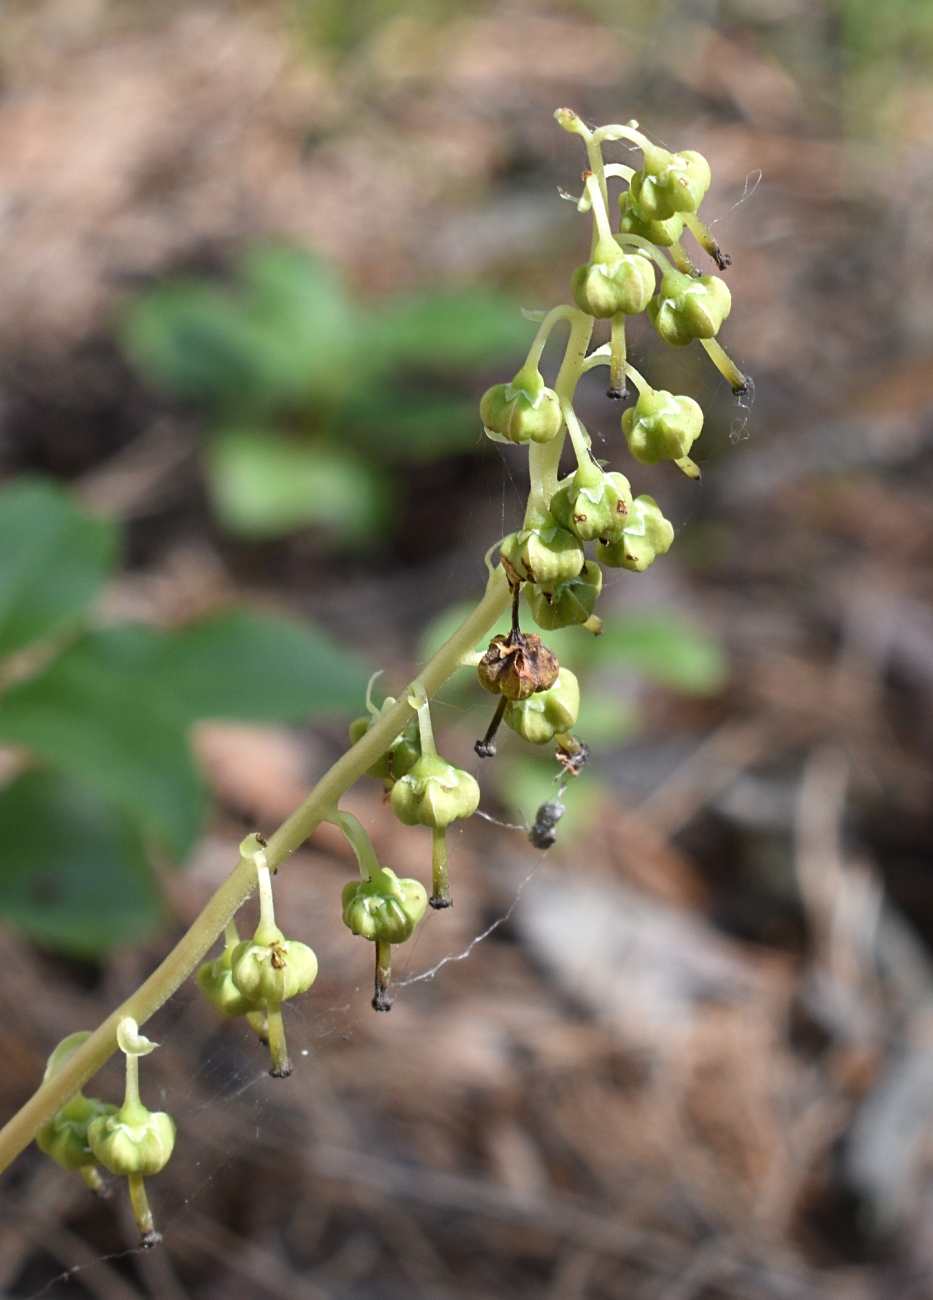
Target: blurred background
257,263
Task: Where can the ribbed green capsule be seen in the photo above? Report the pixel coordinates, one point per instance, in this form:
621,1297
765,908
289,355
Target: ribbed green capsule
545,553
541,717
64,1138
634,222
670,183
613,281
647,536
434,793
522,411
401,755
685,309
568,603
271,969
593,504
661,426
384,909
134,1140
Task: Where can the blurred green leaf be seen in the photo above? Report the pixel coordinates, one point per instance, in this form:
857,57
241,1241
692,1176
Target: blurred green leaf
73,868
259,668
664,648
447,329
115,709
101,713
264,484
53,559
278,337
396,424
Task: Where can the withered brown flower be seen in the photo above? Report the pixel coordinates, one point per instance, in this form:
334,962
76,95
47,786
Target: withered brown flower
517,666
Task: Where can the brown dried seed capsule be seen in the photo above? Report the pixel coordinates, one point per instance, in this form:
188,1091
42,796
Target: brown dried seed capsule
517,666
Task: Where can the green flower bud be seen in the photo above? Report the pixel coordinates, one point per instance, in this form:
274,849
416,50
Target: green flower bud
634,222
134,1140
565,604
434,793
525,410
541,717
685,309
612,282
593,504
661,426
64,1137
274,969
646,536
670,183
384,909
401,755
215,979
542,554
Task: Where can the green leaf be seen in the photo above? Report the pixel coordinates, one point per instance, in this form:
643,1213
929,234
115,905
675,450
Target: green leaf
116,708
264,484
448,329
279,337
102,712
53,559
397,424
666,649
73,868
259,668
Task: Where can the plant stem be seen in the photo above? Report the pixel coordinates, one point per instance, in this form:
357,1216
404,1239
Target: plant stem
281,1065
440,878
141,1210
544,457
556,314
359,841
726,367
195,944
383,976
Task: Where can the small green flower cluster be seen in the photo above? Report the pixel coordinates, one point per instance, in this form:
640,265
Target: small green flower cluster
544,562
130,1140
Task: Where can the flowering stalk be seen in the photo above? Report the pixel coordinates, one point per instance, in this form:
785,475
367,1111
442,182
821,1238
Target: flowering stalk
546,561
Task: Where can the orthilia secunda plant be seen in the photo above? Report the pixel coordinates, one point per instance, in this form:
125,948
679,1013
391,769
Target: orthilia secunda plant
545,570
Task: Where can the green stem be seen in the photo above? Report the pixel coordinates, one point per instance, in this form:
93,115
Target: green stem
544,457
131,1093
726,367
194,945
266,931
577,436
383,976
141,1210
617,388
707,241
599,205
281,1065
630,132
440,877
646,246
684,261
93,1180
620,170
231,934
554,316
258,1021
425,728
360,842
